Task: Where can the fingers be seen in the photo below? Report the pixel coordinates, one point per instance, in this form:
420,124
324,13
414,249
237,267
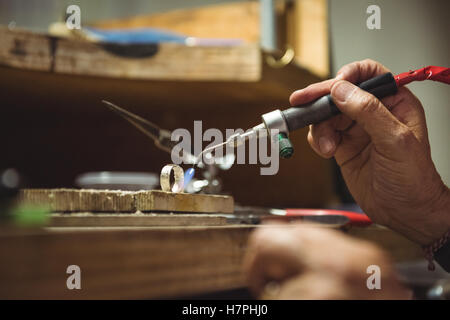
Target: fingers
408,110
326,140
312,286
374,119
354,72
311,92
352,146
325,137
297,261
361,106
278,253
273,255
360,71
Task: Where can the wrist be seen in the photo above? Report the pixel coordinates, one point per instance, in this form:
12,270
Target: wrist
431,220
441,212
438,218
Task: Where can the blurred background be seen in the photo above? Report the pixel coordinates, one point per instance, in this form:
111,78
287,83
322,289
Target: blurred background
54,128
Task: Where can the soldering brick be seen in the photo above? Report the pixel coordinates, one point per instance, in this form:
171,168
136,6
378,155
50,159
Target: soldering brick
92,200
79,200
156,200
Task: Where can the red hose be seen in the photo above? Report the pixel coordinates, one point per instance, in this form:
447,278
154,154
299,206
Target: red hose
434,73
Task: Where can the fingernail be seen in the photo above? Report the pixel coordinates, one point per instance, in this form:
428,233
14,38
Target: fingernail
339,76
342,90
326,145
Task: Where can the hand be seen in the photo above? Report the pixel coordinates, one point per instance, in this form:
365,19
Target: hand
315,263
383,151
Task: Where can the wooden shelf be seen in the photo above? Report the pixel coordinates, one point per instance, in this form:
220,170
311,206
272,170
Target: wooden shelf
164,61
301,25
79,66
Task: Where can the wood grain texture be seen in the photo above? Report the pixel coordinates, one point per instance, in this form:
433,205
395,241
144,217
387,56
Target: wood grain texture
91,200
169,201
125,263
171,61
87,219
138,262
76,200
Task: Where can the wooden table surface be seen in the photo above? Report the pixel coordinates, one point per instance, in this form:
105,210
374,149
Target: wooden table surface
139,262
121,262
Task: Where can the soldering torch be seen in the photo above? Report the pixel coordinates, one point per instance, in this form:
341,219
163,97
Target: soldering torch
297,117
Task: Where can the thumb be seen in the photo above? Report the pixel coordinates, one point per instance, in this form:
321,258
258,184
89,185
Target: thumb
363,107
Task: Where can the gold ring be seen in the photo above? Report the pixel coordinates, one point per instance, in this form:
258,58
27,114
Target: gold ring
178,175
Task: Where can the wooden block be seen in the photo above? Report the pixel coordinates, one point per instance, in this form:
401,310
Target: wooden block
91,200
134,220
169,201
80,200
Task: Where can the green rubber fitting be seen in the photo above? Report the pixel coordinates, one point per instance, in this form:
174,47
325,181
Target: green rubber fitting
285,146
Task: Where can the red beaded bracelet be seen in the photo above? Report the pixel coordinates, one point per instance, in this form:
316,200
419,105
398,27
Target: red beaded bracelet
435,246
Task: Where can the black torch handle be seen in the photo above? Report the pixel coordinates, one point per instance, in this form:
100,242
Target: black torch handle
324,108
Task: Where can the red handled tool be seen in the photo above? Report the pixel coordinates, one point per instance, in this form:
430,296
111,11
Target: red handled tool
324,108
353,218
434,73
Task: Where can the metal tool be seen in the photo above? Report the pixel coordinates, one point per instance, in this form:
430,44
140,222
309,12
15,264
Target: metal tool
162,138
236,140
328,220
277,124
329,217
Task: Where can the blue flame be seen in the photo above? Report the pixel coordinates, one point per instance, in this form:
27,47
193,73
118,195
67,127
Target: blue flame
188,175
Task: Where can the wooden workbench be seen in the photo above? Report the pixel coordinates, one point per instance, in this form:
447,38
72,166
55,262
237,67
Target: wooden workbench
138,262
121,262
